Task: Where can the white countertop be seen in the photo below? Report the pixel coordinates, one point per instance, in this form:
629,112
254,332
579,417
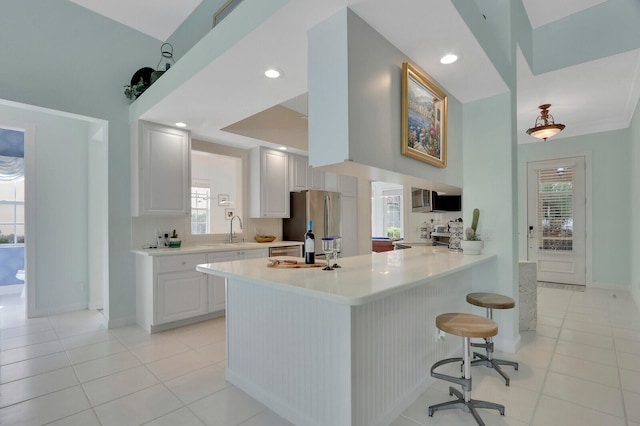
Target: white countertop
361,279
213,247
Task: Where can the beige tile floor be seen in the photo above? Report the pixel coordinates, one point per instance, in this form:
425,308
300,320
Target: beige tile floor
581,367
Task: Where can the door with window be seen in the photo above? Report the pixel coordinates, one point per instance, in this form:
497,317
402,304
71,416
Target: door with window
556,205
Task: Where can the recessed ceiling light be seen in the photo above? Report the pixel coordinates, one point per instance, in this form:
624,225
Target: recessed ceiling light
283,148
448,59
272,73
181,124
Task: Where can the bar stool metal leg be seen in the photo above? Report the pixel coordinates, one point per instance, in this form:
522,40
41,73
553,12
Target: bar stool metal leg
463,400
488,360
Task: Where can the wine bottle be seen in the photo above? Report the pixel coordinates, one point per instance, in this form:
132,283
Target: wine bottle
309,245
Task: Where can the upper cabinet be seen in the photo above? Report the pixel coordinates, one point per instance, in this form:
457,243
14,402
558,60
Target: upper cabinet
303,177
298,172
160,170
268,183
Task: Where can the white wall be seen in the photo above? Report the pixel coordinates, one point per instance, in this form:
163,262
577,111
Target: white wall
58,276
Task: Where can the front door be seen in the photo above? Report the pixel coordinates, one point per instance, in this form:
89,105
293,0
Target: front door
556,205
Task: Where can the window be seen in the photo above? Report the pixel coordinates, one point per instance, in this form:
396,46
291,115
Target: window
392,213
200,208
386,210
216,191
555,209
12,211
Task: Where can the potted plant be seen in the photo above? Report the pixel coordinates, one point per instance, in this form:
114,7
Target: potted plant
472,244
134,90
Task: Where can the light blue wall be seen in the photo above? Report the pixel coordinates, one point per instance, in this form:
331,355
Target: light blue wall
489,185
58,55
606,29
196,26
634,196
610,200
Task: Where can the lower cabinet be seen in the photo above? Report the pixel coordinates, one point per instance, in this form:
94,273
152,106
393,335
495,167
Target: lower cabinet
171,293
217,285
181,295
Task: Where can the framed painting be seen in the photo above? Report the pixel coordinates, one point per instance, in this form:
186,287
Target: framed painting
424,118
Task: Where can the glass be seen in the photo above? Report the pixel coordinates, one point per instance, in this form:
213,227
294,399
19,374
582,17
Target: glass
327,248
337,248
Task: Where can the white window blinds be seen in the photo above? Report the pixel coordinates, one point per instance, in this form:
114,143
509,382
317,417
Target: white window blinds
555,209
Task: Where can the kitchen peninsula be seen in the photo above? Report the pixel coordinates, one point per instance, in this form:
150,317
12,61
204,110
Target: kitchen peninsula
352,346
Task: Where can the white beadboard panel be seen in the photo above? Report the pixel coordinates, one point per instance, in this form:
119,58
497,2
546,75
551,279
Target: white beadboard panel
319,363
303,368
394,346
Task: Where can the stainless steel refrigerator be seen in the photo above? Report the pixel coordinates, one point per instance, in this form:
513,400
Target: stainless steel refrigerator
322,208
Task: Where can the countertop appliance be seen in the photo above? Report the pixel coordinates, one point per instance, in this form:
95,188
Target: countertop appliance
425,201
320,207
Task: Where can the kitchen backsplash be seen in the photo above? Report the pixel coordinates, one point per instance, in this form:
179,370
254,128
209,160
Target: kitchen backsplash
411,232
143,230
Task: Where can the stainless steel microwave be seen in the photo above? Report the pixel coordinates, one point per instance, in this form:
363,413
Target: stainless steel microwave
420,200
425,201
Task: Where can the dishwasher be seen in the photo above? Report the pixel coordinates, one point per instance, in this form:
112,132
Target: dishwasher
294,251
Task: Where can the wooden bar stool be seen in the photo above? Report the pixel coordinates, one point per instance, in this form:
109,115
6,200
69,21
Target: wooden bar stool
466,326
491,301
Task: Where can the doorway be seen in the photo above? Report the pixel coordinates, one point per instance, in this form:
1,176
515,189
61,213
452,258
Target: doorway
12,218
556,218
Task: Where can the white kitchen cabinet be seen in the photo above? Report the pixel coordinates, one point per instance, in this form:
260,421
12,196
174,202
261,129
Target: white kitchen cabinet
268,183
331,182
160,170
169,291
298,172
216,284
316,179
181,295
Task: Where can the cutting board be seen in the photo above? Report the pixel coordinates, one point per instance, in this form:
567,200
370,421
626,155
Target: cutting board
275,263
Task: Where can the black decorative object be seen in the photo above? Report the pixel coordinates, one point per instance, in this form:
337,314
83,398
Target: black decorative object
140,82
166,61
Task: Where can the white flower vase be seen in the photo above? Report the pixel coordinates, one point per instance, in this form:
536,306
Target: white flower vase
471,247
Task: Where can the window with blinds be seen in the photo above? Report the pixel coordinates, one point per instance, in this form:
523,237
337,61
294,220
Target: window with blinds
555,209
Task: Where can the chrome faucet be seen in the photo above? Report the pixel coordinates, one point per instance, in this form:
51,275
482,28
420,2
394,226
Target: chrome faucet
231,235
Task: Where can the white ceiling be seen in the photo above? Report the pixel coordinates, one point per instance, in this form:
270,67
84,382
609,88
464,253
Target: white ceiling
156,18
594,96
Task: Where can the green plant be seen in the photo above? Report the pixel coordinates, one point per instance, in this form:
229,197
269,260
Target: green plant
471,233
133,91
393,232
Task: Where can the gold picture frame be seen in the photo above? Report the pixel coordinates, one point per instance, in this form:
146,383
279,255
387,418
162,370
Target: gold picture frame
424,118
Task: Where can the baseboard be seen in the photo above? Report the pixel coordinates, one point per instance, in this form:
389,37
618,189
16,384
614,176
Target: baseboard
120,322
507,346
58,310
609,286
187,321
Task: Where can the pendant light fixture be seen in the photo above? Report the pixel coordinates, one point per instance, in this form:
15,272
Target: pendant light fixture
545,127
